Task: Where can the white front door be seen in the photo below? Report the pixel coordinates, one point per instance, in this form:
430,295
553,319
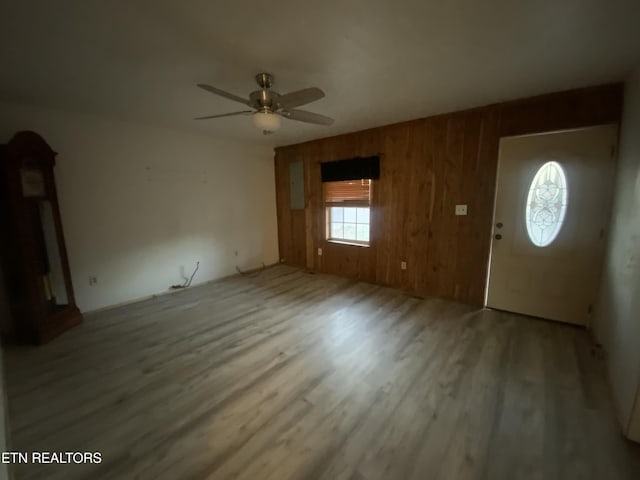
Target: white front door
552,207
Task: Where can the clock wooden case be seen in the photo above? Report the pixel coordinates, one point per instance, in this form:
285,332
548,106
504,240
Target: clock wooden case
33,249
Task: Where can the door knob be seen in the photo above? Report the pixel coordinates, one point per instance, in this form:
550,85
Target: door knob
497,236
499,225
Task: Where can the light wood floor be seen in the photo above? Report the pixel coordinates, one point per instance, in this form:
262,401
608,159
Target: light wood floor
289,375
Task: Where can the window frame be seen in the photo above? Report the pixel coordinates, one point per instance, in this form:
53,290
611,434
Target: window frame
347,204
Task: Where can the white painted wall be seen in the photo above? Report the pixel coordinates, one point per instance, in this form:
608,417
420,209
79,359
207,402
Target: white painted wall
617,319
141,204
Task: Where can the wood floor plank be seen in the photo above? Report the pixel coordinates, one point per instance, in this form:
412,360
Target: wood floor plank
283,374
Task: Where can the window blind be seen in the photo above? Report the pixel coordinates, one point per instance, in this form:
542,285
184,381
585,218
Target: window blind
350,192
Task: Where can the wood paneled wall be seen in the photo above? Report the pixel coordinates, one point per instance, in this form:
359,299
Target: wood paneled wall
427,167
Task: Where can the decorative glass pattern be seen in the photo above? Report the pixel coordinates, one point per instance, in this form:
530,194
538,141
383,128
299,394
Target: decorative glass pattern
546,204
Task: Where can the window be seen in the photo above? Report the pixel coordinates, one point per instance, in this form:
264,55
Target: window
348,211
546,204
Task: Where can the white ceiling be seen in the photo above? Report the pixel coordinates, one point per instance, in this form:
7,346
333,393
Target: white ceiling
379,61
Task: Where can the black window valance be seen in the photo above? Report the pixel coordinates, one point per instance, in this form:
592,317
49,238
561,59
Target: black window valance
351,169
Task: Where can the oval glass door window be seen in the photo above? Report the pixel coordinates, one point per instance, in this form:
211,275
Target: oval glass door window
546,204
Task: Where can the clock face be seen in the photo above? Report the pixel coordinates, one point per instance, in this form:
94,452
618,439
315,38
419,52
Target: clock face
32,182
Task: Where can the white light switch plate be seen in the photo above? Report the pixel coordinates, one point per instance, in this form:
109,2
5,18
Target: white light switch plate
319,252
403,265
461,209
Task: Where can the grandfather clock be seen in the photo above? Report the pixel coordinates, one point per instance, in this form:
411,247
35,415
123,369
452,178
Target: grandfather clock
37,273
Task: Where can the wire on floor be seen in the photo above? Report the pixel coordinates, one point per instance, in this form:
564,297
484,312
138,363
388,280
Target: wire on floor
187,283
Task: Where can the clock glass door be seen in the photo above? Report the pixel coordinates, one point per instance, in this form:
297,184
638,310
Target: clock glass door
53,273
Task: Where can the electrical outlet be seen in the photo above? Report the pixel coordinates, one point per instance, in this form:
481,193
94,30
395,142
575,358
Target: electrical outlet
403,265
461,209
93,280
319,252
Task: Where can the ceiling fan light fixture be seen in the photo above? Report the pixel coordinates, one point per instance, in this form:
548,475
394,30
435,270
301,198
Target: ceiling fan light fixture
266,121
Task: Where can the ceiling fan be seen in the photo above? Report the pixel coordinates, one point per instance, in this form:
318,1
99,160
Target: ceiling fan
268,105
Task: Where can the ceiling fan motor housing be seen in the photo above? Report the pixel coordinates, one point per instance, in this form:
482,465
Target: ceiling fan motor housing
264,100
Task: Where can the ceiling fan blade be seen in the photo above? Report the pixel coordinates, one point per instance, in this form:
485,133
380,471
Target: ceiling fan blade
300,97
244,112
308,117
224,94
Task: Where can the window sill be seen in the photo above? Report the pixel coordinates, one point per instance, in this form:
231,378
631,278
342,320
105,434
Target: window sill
346,242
